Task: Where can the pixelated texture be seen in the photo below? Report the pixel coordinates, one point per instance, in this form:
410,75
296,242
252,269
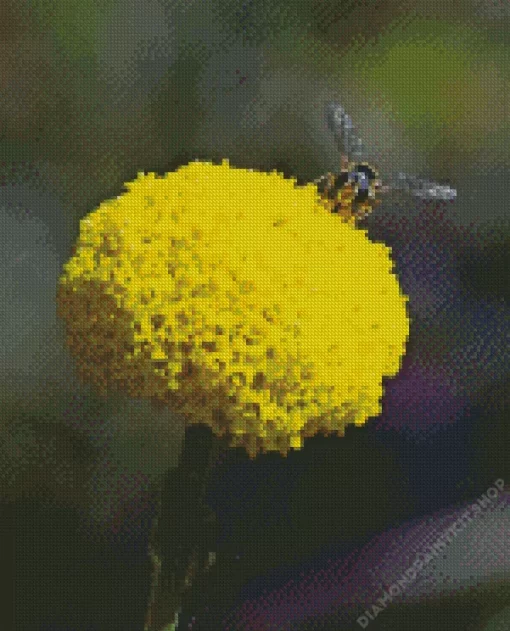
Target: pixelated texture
92,93
192,289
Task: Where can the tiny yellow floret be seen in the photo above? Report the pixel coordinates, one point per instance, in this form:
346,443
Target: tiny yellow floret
237,299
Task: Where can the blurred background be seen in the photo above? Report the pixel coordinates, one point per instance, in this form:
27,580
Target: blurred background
93,92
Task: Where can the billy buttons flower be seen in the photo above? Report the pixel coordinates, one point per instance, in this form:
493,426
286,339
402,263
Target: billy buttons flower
236,298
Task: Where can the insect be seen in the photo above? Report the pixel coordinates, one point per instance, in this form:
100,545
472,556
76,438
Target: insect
354,192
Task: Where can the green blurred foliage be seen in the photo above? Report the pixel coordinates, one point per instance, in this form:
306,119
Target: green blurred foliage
74,24
441,80
440,73
259,21
436,69
500,621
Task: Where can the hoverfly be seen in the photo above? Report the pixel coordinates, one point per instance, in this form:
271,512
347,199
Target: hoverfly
353,193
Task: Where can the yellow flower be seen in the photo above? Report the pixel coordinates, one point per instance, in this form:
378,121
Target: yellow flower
238,300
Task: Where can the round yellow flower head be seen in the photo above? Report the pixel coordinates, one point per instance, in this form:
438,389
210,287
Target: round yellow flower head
236,298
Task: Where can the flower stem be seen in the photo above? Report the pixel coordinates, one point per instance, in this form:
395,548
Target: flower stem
184,532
